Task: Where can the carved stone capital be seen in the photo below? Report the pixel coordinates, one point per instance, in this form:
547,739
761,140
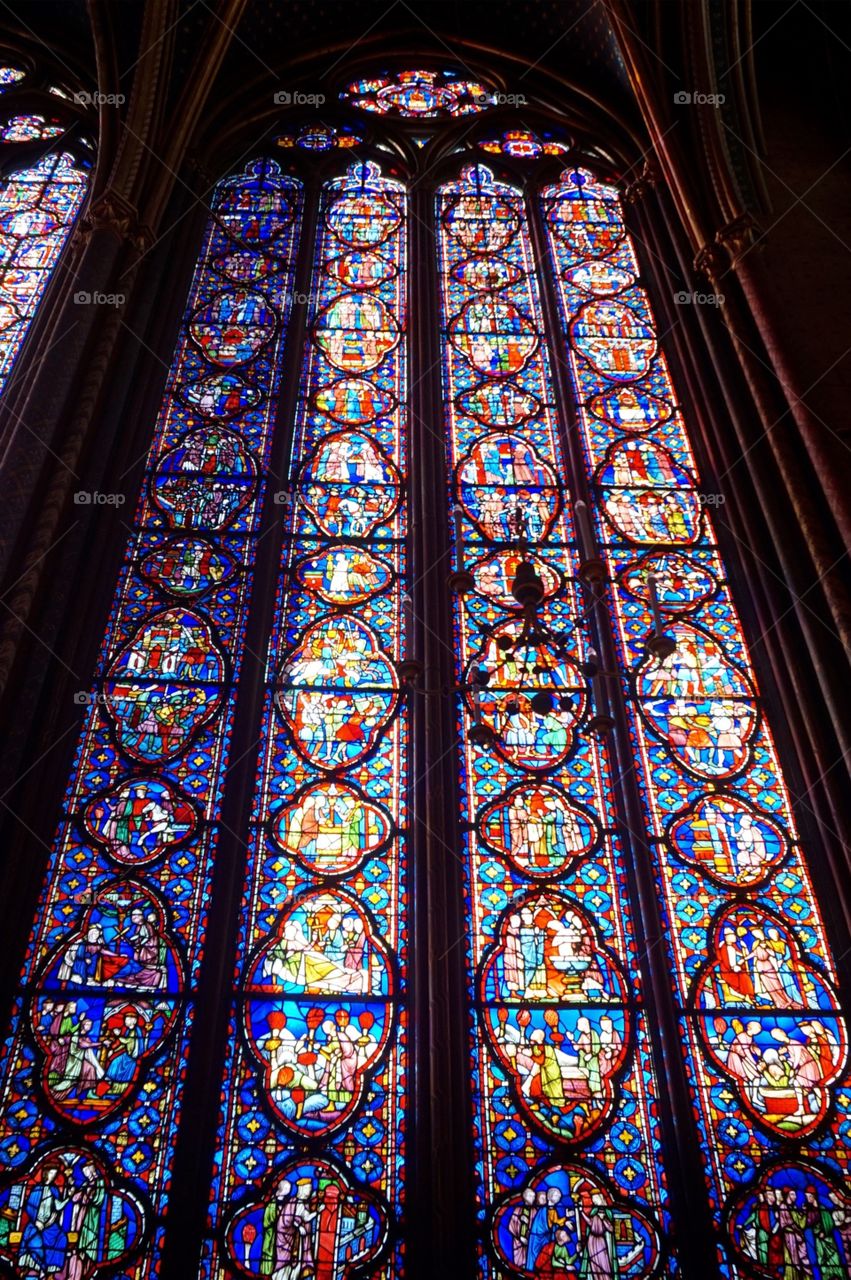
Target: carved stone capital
111,212
710,261
643,184
738,236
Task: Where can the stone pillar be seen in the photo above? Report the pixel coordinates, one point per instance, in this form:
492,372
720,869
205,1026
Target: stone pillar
50,426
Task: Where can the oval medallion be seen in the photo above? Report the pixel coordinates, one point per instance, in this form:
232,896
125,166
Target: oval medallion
317,1012
186,567
499,404
494,576
486,274
232,327
360,270
349,487
355,332
682,584
67,1186
331,828
579,1219
630,409
344,575
257,227
792,1202
140,820
533,699
699,704
221,395
727,839
647,496
591,228
363,221
494,336
353,401
501,476
335,1220
481,224
614,340
247,266
90,1018
537,828
554,1016
602,279
773,1025
164,685
205,481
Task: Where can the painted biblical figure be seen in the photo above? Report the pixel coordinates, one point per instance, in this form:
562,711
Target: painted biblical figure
312,1222
794,1224
336,692
770,1020
65,1220
566,1223
315,1053
538,829
331,828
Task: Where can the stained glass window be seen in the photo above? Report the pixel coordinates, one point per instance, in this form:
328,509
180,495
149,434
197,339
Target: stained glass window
313,1126
523,144
565,1098
38,206
575,1134
763,1031
27,128
418,95
93,1069
320,137
10,76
